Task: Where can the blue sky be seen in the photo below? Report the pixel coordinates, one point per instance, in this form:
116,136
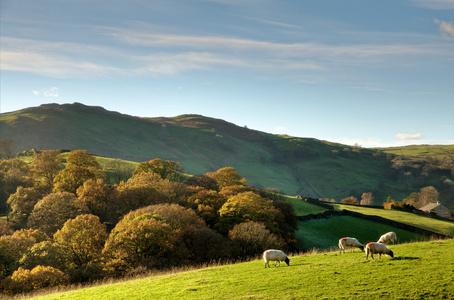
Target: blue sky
373,73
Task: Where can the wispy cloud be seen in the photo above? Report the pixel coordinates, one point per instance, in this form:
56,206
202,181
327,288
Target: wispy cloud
409,136
447,29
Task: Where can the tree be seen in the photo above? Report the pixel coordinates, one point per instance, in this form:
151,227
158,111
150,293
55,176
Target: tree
46,165
227,177
84,236
51,212
21,205
367,199
427,195
250,239
118,170
350,200
246,207
101,199
83,159
7,149
140,240
40,277
12,247
166,169
203,181
71,178
204,245
47,253
139,191
13,173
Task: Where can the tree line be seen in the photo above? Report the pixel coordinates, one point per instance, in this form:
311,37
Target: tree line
71,224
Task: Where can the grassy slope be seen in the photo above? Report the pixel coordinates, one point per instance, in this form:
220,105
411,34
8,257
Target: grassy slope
294,165
440,226
418,271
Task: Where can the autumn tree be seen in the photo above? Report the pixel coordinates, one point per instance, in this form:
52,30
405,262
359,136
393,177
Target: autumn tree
47,253
101,198
71,178
285,216
13,174
367,199
46,166
246,207
166,169
83,159
51,212
81,167
21,204
227,176
252,238
40,277
12,247
84,236
140,240
427,195
204,245
350,200
139,191
203,181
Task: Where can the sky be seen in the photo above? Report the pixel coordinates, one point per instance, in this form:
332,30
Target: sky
367,73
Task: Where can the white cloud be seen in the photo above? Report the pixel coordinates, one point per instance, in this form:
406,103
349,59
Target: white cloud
279,129
409,136
447,29
52,92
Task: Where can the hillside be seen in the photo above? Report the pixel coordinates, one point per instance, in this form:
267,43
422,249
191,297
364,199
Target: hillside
304,166
418,271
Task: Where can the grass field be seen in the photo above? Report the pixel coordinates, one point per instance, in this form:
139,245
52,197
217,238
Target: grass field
439,226
325,233
421,270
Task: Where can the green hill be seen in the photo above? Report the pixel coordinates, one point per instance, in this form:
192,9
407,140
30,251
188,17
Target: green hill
420,270
304,166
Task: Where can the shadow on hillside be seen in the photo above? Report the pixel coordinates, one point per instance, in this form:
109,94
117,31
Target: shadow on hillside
405,258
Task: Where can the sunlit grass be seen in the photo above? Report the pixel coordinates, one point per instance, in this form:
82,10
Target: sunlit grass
418,271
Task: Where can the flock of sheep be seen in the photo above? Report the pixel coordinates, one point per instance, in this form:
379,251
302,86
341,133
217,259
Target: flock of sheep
371,248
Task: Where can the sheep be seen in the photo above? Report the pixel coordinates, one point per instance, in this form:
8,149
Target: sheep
377,248
387,238
349,242
277,255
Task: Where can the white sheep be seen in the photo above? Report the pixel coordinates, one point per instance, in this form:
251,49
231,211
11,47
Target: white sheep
349,242
276,255
377,248
387,238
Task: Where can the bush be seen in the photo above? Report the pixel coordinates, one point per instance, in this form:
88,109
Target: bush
252,238
40,277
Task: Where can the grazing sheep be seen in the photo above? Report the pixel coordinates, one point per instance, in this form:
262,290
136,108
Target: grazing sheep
277,255
349,242
387,238
377,248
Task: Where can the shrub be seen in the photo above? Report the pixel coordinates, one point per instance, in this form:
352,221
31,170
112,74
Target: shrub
40,277
252,238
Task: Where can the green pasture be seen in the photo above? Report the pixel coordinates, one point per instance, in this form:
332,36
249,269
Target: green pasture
422,270
303,208
325,233
435,225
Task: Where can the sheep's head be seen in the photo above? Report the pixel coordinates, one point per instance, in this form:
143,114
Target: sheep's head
362,248
287,261
391,253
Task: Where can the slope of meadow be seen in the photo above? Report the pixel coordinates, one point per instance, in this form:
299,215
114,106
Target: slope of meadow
422,270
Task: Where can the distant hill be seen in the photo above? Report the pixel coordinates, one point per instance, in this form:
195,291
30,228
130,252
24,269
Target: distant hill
304,166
